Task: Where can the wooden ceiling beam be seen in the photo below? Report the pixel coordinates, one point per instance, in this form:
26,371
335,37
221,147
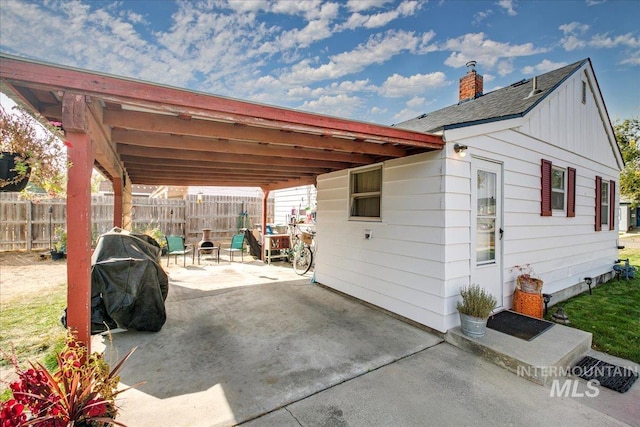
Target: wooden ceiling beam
188,156
139,162
288,184
161,141
167,124
105,151
210,176
201,182
185,171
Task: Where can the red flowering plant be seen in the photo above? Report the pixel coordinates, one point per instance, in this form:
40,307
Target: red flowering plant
81,391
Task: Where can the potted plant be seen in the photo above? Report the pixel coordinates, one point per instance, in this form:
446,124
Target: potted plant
527,281
81,391
475,308
60,246
158,236
31,151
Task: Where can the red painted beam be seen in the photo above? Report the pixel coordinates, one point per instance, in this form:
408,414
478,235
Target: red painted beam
265,204
117,202
80,154
55,77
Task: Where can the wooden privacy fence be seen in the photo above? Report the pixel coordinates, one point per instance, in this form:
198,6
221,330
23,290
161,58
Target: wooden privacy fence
31,225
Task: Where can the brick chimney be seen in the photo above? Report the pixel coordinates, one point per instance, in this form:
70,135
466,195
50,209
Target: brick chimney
470,84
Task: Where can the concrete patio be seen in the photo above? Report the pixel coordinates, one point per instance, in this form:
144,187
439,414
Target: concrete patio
257,344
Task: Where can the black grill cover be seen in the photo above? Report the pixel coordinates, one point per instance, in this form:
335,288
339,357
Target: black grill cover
128,285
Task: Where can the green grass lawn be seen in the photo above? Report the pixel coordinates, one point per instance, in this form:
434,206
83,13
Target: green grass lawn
31,326
611,314
31,329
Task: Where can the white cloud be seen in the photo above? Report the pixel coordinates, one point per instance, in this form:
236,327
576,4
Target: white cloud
378,110
357,20
481,16
413,108
508,6
570,43
488,53
398,86
594,2
309,9
335,88
248,6
424,46
294,39
377,50
632,60
604,41
406,114
573,28
505,67
572,31
416,101
339,105
360,5
543,67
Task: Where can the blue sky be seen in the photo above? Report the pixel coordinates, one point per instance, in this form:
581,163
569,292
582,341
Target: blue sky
372,60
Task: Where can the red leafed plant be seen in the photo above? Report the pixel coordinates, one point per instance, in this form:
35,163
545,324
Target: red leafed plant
81,391
527,280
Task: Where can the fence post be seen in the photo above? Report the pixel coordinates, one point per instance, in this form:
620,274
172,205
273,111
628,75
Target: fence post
29,229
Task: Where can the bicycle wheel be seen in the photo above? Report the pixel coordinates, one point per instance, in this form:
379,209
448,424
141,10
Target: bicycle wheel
293,248
302,260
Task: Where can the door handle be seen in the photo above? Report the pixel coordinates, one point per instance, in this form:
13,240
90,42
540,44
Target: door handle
501,233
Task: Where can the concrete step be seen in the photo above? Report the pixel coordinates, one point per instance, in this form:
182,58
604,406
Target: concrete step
550,355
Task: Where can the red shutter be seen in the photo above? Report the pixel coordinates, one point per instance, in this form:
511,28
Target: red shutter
598,203
571,193
612,205
545,186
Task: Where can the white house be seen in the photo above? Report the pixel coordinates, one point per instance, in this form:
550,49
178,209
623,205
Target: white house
292,202
529,175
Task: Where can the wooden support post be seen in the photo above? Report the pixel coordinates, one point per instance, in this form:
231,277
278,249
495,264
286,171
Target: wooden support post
117,202
81,155
265,205
127,205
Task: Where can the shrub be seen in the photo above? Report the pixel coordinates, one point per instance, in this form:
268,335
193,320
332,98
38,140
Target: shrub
476,302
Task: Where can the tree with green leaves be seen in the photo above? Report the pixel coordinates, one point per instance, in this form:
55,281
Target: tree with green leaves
628,137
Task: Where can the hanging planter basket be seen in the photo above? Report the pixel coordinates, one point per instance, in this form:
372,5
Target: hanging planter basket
17,181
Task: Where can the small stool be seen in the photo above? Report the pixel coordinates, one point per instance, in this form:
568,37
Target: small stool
209,249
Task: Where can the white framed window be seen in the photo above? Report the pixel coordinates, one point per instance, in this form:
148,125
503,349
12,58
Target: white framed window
558,189
584,92
604,203
365,193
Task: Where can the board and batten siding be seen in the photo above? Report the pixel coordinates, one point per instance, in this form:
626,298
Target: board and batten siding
420,254
562,250
403,267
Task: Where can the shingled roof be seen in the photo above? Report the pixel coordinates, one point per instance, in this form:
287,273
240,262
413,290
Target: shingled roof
501,104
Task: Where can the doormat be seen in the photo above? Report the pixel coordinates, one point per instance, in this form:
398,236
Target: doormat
518,325
610,376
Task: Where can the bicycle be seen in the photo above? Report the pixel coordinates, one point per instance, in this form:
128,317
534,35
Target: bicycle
301,254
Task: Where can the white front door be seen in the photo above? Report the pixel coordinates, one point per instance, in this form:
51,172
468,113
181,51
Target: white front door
486,226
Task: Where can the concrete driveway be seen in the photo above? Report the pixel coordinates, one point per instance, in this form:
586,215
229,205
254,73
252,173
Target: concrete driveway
255,343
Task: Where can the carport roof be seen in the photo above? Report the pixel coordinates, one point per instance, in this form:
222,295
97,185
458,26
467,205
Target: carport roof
161,135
